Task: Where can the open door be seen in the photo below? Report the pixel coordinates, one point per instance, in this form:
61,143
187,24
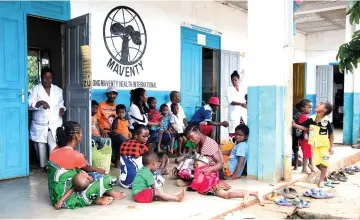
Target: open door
325,84
14,146
230,61
77,97
299,82
191,78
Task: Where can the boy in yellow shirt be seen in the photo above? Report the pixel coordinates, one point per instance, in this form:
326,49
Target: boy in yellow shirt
321,137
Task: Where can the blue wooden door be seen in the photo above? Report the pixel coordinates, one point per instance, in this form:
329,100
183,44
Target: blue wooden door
191,78
13,108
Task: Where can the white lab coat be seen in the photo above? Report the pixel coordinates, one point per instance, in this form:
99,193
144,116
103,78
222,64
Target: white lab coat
235,111
45,119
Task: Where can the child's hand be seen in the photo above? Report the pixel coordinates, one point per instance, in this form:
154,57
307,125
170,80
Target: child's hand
58,205
331,150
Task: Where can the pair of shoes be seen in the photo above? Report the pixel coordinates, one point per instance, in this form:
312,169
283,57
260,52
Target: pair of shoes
290,193
318,194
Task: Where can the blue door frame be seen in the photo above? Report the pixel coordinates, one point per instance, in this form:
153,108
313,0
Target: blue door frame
191,65
14,145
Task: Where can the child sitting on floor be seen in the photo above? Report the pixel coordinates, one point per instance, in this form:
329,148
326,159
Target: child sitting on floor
143,187
321,137
178,126
81,182
235,159
210,184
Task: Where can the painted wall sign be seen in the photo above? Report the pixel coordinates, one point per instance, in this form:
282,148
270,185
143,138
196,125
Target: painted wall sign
125,39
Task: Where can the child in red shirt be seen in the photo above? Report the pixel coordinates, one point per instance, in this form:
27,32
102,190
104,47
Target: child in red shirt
304,106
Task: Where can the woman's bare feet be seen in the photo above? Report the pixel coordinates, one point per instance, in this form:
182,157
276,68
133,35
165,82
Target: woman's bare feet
181,195
116,195
105,200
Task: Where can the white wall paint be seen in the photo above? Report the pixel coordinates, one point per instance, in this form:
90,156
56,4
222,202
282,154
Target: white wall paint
321,49
299,48
163,20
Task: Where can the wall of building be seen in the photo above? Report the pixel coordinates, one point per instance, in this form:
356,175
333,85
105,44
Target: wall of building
161,60
299,48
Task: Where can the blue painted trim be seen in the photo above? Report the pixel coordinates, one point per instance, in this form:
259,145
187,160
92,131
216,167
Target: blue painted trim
334,63
189,35
348,118
162,97
356,118
58,10
266,123
312,98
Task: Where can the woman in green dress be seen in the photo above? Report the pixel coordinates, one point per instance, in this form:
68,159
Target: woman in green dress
65,162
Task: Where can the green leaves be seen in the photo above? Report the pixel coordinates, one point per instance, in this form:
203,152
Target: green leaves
349,53
354,13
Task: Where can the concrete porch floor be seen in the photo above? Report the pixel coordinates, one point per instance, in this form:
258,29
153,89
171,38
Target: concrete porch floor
28,198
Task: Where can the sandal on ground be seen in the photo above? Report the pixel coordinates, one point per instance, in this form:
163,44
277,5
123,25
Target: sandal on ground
333,176
287,194
293,191
328,184
300,203
309,192
348,171
356,168
342,175
283,202
321,194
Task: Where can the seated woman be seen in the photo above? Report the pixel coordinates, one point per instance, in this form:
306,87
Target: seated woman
65,162
203,117
235,159
131,153
205,146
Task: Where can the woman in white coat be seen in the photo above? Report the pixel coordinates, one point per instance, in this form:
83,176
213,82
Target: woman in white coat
47,105
237,103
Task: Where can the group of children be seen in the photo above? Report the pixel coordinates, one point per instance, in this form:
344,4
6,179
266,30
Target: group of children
170,124
314,135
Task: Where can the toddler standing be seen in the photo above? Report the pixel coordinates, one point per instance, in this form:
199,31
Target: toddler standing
178,126
321,137
304,106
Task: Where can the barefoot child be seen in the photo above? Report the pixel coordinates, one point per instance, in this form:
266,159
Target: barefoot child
235,160
165,127
304,106
210,184
321,137
143,187
178,126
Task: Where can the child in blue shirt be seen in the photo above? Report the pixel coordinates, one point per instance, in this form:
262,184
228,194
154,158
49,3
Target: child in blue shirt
235,159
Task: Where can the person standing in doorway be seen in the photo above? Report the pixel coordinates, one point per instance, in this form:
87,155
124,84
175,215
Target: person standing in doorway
175,98
47,105
237,103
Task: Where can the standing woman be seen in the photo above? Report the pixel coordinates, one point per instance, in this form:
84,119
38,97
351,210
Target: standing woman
237,103
47,105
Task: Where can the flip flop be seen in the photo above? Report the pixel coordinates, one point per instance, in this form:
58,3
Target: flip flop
333,182
356,168
300,203
283,202
348,171
333,176
322,195
328,184
342,175
287,194
293,191
307,193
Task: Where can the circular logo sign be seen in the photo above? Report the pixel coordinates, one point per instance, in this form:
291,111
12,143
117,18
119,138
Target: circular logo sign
124,35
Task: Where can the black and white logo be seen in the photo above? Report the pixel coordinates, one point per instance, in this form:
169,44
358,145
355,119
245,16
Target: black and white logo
125,39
